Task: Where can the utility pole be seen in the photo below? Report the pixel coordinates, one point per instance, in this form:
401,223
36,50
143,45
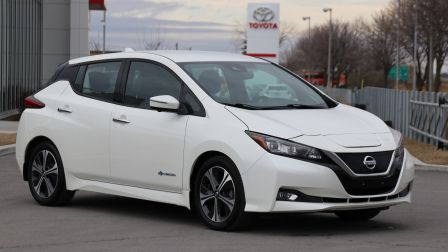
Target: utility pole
329,78
309,46
104,31
414,75
431,61
397,74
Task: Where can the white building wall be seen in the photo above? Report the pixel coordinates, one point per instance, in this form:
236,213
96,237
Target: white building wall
65,33
79,28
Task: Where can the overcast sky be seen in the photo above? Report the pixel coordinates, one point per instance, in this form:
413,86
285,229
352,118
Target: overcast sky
207,24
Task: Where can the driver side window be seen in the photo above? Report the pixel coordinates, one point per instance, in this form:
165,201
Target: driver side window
146,80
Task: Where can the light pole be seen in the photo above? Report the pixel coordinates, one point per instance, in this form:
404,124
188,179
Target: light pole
329,82
104,31
309,46
414,75
397,65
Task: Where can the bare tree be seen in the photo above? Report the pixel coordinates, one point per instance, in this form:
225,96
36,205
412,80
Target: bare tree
152,40
94,45
430,20
380,36
346,50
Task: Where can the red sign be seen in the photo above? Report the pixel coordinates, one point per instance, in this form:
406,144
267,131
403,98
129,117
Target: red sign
97,5
263,55
263,25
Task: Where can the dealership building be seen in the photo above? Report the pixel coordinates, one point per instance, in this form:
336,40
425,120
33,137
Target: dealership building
35,37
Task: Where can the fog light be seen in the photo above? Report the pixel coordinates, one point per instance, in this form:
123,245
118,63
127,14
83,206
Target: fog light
287,196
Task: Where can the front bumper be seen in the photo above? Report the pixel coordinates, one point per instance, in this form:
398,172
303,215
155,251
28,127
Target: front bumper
271,173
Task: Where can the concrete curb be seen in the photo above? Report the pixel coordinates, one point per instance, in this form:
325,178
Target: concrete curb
429,167
7,149
421,166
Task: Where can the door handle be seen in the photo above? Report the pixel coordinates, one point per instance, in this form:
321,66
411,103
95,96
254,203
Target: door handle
120,120
65,110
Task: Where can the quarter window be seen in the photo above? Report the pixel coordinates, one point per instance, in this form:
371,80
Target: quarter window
80,78
146,80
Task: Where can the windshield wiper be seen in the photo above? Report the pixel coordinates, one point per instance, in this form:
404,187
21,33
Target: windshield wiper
294,106
244,106
288,106
304,106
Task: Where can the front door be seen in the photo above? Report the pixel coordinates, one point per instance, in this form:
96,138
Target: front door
147,145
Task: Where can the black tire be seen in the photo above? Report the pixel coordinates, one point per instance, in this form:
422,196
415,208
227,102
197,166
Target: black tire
236,218
358,215
55,193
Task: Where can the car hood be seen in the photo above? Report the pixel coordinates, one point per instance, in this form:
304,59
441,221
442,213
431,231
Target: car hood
333,122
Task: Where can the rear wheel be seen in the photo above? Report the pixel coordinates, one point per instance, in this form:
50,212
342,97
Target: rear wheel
358,215
219,195
46,178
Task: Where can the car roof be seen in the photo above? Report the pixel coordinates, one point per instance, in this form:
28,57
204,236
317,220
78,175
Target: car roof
177,56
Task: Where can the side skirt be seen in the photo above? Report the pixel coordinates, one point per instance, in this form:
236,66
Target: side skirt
180,199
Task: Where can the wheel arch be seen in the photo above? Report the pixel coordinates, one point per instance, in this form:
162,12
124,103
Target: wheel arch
198,162
30,146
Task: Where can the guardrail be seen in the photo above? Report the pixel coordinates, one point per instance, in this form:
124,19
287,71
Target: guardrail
430,120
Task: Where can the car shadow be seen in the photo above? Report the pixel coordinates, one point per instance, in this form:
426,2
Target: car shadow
135,208
290,224
318,224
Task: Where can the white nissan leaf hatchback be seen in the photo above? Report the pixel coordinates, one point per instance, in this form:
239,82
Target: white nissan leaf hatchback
224,135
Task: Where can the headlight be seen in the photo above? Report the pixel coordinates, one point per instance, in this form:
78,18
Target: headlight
399,152
287,148
398,137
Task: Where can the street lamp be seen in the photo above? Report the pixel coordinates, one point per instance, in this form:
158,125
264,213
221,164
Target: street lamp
104,31
414,75
397,65
309,46
329,82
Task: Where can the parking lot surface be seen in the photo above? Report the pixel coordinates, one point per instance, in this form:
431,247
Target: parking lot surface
97,222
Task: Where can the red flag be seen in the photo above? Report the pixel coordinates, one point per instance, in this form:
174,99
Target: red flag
97,5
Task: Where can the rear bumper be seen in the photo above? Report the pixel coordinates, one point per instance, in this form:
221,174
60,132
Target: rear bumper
271,173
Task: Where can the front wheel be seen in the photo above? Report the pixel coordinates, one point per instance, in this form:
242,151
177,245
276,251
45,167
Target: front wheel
219,195
46,177
358,215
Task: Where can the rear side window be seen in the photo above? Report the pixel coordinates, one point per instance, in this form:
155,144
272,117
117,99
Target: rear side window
98,80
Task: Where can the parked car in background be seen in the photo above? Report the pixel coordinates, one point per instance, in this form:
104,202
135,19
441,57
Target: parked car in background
224,135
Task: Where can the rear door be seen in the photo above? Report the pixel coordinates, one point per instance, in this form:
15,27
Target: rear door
85,112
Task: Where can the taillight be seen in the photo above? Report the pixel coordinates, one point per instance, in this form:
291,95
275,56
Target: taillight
33,102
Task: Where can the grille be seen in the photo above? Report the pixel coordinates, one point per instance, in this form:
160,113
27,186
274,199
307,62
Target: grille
355,161
371,185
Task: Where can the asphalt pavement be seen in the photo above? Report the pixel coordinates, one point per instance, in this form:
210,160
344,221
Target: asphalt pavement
97,222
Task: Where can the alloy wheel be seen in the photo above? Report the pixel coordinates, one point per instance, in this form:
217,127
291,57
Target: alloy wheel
217,194
44,173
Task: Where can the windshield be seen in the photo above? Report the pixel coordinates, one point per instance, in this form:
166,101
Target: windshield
253,85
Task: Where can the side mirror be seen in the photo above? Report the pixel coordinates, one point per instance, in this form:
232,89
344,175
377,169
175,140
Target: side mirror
164,102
